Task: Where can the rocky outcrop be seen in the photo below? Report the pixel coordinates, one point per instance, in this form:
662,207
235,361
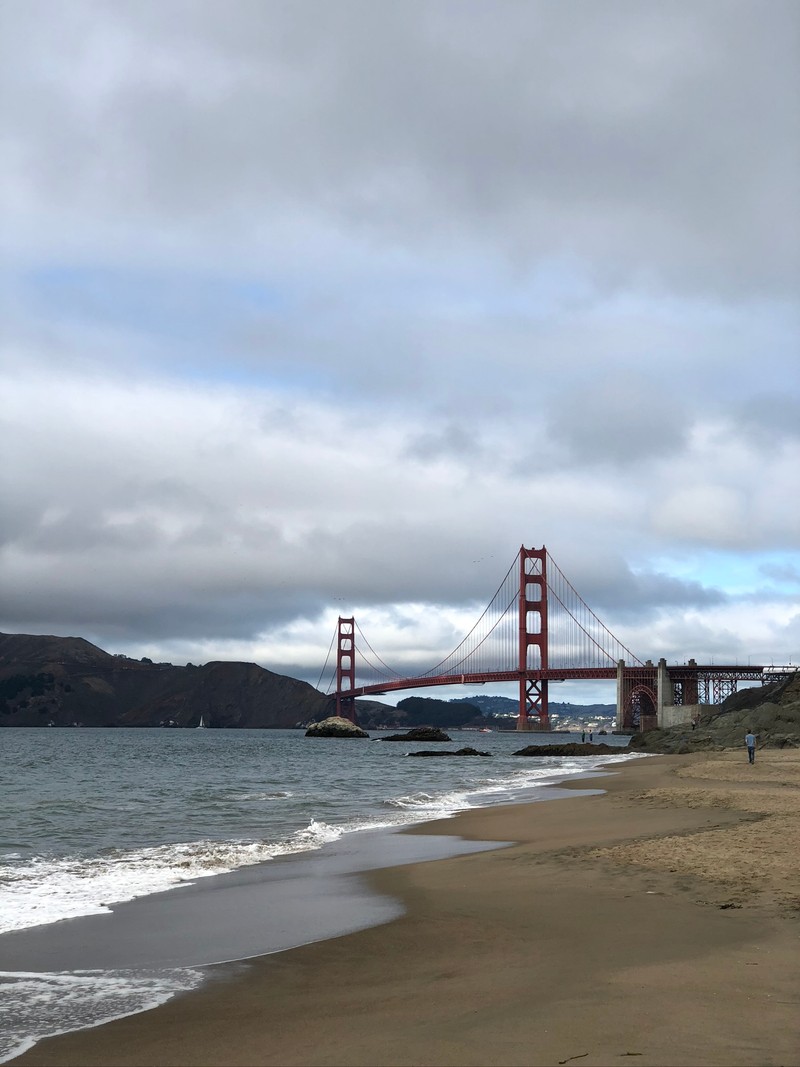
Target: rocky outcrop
771,712
571,749
420,733
335,726
449,752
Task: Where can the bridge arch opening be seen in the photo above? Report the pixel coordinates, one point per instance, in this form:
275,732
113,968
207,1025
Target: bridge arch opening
641,708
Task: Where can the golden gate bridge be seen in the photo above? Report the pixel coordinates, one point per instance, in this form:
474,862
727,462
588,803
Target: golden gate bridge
535,630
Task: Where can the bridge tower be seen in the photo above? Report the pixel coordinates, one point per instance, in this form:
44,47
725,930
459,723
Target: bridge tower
532,639
346,668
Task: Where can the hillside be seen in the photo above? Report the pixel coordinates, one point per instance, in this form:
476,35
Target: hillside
772,712
34,649
61,681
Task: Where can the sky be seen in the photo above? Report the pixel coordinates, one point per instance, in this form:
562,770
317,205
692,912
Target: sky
318,309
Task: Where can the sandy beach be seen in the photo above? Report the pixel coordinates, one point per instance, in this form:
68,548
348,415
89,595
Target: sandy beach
657,923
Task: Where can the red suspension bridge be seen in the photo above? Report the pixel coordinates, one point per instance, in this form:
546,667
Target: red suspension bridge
535,630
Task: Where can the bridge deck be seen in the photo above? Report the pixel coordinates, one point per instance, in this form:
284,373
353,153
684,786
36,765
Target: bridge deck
567,674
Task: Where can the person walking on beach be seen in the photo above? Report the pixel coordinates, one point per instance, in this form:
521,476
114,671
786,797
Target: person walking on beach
750,741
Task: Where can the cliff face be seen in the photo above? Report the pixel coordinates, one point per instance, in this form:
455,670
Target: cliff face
60,681
772,712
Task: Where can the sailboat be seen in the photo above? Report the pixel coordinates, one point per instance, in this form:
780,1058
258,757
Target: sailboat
201,725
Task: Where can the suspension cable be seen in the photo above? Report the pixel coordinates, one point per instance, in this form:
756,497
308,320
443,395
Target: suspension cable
391,670
325,664
583,603
464,640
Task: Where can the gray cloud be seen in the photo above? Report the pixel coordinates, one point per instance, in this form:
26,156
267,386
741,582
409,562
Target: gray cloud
617,420
653,142
629,595
313,308
772,418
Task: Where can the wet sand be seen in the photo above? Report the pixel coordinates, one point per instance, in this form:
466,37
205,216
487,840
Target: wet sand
658,923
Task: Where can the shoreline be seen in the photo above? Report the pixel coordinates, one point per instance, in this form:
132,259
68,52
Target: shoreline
100,967
559,945
296,882
76,866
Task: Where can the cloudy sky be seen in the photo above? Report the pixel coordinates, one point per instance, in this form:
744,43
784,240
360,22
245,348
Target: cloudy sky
325,308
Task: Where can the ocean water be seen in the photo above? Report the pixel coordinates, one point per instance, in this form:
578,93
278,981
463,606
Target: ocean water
90,819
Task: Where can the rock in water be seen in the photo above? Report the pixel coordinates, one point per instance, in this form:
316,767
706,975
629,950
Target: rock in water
449,752
335,726
570,749
420,733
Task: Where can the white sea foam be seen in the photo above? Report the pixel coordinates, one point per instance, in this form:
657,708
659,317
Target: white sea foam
317,834
47,890
530,774
37,1005
431,806
413,800
280,794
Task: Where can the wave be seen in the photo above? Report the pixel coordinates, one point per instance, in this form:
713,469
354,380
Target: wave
280,794
432,806
317,834
40,1005
48,889
45,890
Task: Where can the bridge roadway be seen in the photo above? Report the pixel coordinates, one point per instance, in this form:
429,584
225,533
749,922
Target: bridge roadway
568,674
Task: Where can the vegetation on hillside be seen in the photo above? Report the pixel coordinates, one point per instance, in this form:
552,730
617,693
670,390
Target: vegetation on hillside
771,712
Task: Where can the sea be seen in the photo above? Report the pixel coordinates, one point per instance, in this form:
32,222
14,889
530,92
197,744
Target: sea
133,859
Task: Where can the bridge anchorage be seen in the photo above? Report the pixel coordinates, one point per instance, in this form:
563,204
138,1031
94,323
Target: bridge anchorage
535,630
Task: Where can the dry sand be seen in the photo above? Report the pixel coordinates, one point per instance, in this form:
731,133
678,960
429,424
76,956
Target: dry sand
657,924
